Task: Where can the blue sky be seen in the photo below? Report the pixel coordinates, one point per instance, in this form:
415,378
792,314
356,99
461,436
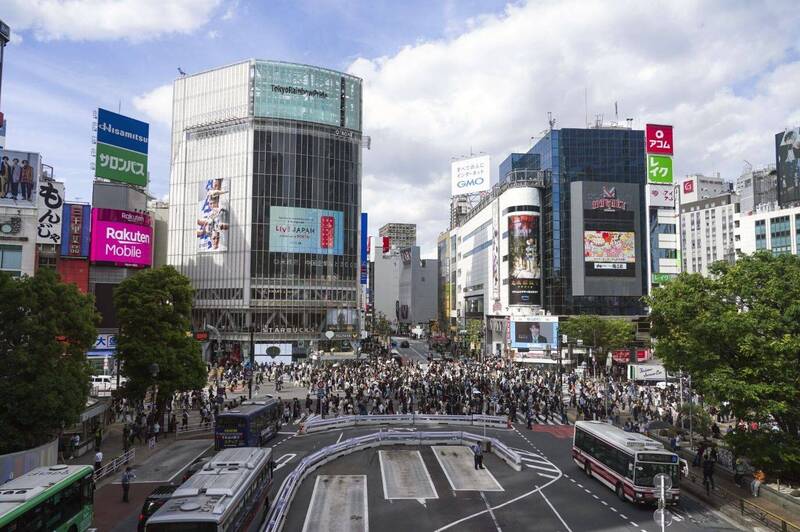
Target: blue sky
439,77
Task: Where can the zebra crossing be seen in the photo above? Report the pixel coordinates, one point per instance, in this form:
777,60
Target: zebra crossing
541,420
539,464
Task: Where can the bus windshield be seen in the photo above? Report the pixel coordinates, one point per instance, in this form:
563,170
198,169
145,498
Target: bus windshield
646,471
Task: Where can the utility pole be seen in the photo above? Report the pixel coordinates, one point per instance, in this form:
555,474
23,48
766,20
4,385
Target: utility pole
252,362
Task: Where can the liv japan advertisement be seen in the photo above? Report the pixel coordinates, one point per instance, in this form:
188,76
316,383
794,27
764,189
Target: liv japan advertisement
123,238
299,230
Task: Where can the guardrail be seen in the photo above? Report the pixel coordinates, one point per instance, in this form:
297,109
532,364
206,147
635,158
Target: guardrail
283,500
318,424
114,465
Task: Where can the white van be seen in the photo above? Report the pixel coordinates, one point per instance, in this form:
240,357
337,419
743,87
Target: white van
105,383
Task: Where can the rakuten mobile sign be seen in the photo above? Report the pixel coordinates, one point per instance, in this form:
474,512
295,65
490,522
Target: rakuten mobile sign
121,237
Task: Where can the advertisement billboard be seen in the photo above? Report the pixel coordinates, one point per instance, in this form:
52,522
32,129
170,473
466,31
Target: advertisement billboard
787,162
300,230
341,319
470,175
538,332
213,211
122,238
659,169
364,274
75,230
609,234
658,139
20,172
50,206
524,260
302,92
121,150
661,196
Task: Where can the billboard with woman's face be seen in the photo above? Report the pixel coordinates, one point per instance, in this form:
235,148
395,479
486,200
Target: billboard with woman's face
212,221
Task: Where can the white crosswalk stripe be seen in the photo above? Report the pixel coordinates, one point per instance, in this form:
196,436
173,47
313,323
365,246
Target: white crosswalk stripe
549,469
547,476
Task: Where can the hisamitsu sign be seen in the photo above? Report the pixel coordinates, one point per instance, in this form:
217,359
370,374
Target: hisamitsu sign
121,152
122,131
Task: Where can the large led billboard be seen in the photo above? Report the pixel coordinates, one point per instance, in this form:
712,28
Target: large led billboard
299,230
606,235
524,260
212,217
538,332
787,162
122,238
302,92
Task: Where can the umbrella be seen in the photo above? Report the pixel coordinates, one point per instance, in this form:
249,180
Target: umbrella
658,425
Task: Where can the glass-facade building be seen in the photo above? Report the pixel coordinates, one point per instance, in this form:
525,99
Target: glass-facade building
265,194
605,157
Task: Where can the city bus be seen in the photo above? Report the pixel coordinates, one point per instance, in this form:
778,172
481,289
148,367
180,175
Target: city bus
231,492
49,498
626,462
250,425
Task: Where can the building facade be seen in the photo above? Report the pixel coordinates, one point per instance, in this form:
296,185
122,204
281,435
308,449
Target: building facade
386,285
756,188
708,232
265,194
417,288
400,235
776,230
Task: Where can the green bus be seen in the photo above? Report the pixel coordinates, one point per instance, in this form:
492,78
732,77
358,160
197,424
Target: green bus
50,498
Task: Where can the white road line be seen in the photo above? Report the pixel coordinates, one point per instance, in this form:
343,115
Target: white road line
595,496
572,480
613,509
310,505
546,476
290,433
580,485
548,469
531,460
435,449
489,508
555,512
634,524
340,437
623,516
604,503
587,491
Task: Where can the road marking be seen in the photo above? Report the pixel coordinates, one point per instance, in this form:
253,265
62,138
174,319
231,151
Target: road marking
580,485
547,476
280,462
634,524
555,512
572,480
336,496
604,503
549,469
290,433
458,464
340,437
489,508
613,509
623,516
587,491
532,461
405,476
595,496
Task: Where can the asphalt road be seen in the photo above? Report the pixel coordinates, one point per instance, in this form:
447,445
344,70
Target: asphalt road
417,350
551,493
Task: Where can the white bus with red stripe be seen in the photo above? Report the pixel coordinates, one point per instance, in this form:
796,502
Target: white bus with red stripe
626,462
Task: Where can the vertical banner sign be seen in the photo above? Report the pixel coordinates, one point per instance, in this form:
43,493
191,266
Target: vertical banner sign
75,231
524,264
50,205
364,248
659,169
121,152
496,257
659,139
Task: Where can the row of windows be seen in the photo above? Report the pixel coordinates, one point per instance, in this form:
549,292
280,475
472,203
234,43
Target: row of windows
11,259
476,249
617,460
476,230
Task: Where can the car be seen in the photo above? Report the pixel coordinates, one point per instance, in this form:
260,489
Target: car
194,467
404,343
154,501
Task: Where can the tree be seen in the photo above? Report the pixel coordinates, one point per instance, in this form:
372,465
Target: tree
46,327
737,333
154,312
382,327
474,333
603,334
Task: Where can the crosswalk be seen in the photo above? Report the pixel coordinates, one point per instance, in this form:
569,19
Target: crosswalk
541,465
541,420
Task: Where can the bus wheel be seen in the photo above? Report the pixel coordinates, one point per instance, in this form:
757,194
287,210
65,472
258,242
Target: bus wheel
587,468
620,492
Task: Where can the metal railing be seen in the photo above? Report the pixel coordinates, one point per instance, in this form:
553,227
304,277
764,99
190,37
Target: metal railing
317,424
745,507
116,464
283,500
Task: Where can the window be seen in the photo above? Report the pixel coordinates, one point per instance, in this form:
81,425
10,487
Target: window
780,235
11,260
761,234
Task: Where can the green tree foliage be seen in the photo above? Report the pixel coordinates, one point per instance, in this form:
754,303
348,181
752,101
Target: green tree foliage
154,311
737,333
474,333
603,334
45,381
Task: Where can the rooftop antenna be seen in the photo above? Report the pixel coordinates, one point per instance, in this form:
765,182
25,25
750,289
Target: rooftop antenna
551,120
585,107
630,122
616,114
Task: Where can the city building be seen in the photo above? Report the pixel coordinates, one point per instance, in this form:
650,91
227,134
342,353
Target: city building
776,230
386,285
787,166
417,288
756,188
401,236
446,260
695,187
73,261
159,212
267,228
708,231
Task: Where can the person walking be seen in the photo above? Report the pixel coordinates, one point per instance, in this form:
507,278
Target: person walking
98,460
708,473
127,476
478,456
738,472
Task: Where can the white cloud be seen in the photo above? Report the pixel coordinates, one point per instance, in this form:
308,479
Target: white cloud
713,69
99,20
156,104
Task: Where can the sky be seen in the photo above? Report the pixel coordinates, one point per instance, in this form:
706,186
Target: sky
441,79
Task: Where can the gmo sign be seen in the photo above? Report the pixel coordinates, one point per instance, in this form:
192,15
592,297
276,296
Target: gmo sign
470,175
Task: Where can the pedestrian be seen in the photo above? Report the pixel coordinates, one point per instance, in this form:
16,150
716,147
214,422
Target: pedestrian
156,430
127,476
476,448
98,438
708,473
738,472
98,460
75,442
758,479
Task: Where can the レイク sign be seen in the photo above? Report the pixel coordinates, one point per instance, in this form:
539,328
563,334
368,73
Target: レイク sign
658,139
121,237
